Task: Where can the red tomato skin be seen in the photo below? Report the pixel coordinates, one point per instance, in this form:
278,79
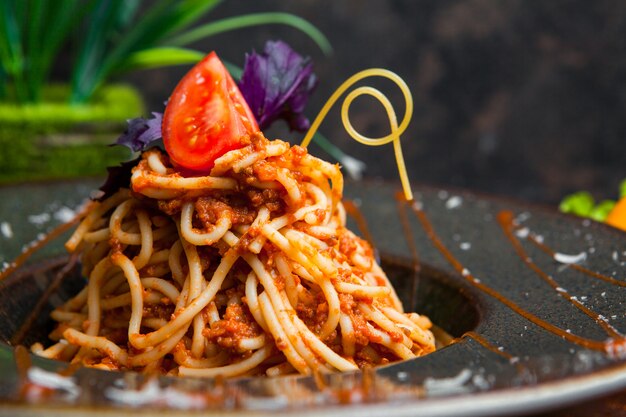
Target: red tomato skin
206,116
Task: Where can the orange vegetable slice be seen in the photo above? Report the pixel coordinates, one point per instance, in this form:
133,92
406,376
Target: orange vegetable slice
617,216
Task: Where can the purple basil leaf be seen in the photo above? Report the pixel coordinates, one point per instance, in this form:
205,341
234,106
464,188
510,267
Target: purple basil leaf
141,132
277,84
119,177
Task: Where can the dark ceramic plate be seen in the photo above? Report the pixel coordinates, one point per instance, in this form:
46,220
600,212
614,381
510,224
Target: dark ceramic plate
535,300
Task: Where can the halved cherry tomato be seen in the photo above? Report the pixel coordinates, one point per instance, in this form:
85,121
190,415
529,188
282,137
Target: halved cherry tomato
206,116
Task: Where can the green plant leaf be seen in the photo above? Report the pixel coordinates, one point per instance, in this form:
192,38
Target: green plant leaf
187,12
20,9
104,19
55,29
115,38
11,48
162,19
33,47
254,19
159,57
3,84
165,18
128,12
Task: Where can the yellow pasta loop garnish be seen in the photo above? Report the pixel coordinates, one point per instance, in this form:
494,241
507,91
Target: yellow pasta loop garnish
395,129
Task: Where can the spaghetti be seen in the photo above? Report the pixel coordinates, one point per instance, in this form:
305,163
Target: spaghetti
250,270
247,270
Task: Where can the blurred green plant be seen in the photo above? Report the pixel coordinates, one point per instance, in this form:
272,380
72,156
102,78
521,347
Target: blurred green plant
112,37
57,130
583,204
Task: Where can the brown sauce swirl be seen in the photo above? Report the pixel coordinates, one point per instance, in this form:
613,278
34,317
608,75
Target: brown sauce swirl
613,344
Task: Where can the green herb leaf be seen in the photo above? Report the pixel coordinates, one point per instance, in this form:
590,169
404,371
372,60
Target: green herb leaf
580,204
602,210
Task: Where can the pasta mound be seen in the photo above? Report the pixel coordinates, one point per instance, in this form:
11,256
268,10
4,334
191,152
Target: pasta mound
248,271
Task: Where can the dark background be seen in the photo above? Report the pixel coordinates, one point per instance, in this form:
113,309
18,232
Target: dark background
518,98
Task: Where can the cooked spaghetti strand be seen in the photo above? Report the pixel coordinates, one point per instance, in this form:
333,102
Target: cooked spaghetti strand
249,270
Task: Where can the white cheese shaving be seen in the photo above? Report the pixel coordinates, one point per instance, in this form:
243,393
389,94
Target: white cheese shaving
39,219
522,233
454,202
522,217
446,386
6,229
402,376
64,214
570,259
151,393
54,381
